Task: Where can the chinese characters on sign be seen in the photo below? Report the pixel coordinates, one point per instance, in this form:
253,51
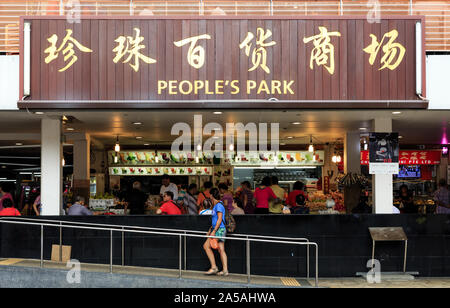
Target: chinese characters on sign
131,46
411,157
323,52
66,47
392,51
196,54
259,54
129,49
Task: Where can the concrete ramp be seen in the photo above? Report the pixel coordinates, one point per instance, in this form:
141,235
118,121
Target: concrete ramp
26,273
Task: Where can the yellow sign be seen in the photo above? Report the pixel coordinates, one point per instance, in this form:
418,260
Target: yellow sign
392,51
323,51
131,46
220,87
259,54
67,49
196,54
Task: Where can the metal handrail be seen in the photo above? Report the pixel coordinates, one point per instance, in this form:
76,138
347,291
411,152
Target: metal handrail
247,240
183,231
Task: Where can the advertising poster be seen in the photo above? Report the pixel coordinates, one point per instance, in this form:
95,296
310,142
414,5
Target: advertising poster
383,153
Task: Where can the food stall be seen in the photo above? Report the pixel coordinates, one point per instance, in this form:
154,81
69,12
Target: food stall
418,171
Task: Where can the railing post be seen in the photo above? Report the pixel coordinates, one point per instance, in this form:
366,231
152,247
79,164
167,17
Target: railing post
307,261
185,250
123,247
111,252
179,254
42,246
317,266
248,260
60,242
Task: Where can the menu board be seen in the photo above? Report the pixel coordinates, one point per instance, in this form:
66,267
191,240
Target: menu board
153,158
159,171
294,158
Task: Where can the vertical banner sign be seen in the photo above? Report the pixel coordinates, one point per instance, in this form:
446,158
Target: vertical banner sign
383,153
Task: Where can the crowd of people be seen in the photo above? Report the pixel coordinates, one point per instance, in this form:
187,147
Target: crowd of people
267,198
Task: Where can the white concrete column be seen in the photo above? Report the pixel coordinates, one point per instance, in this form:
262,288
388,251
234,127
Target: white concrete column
382,184
51,167
352,152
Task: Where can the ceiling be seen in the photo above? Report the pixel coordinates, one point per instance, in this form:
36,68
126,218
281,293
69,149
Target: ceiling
416,126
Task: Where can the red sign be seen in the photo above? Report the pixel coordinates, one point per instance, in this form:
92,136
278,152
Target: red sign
411,157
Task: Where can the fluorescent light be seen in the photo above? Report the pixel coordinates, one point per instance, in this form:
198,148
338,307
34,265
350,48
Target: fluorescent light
19,143
296,123
362,128
396,112
290,137
139,137
419,58
70,128
137,123
26,59
217,112
39,113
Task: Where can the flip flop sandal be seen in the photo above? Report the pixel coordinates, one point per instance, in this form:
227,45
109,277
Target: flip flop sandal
212,271
223,273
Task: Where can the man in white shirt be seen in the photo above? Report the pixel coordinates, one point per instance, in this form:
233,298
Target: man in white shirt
167,186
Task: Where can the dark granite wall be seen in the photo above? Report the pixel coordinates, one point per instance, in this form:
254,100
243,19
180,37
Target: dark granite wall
344,243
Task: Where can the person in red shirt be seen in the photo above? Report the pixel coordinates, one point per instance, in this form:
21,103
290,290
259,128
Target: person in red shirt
262,196
169,207
8,209
4,195
298,189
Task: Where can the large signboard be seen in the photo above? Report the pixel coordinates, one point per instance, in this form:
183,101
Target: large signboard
110,62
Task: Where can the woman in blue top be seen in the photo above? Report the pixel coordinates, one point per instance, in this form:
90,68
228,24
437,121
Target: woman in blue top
218,230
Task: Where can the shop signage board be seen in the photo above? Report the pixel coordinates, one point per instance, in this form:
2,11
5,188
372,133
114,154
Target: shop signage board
412,157
164,158
133,62
383,153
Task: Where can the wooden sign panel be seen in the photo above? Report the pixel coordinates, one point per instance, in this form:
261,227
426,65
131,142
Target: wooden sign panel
104,62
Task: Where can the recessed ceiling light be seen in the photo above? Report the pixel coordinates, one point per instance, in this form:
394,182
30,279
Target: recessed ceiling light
70,128
217,112
139,137
296,123
400,137
19,143
137,123
396,112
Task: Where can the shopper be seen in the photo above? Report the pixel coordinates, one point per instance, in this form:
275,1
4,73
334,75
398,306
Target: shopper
190,202
246,197
277,207
167,186
204,195
5,193
169,207
406,199
298,189
237,207
8,209
79,208
182,191
300,205
227,196
218,230
262,195
136,200
442,198
37,205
